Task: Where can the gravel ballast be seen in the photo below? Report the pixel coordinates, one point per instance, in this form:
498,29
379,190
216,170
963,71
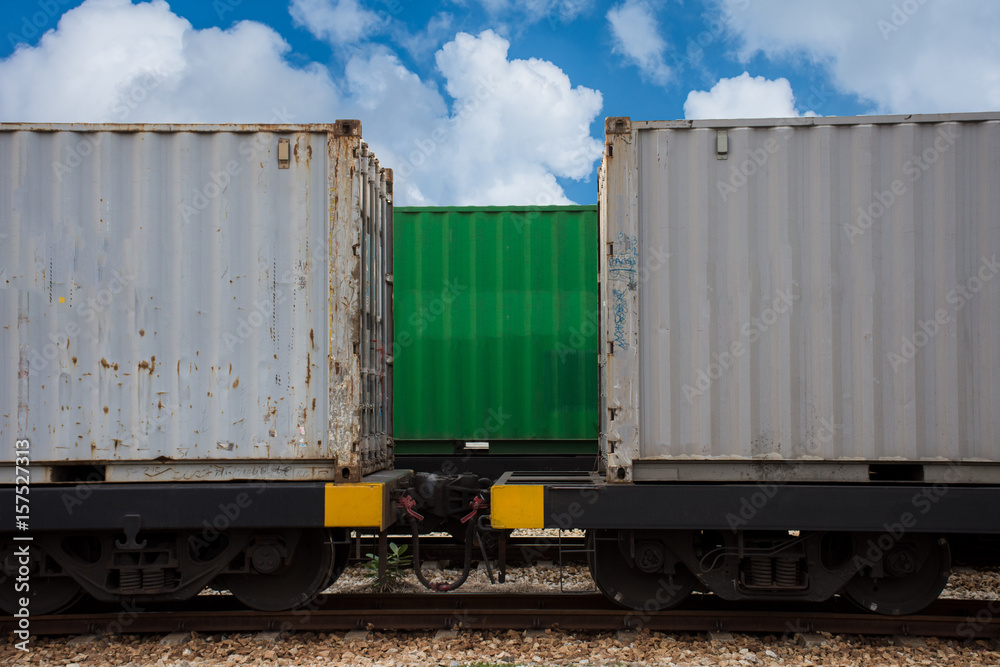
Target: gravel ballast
496,648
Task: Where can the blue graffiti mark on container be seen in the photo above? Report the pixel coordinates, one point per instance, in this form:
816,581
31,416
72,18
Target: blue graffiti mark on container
623,263
620,308
622,266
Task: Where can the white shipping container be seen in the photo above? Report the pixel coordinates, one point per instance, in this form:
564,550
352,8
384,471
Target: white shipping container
195,302
807,298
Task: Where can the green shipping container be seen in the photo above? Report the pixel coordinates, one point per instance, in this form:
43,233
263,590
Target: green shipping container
495,312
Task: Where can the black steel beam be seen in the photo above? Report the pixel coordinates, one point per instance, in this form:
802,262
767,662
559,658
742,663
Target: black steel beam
861,507
195,505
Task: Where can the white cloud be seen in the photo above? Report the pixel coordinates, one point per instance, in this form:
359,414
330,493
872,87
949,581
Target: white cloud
508,131
535,10
524,114
337,21
906,56
144,63
637,37
424,42
743,97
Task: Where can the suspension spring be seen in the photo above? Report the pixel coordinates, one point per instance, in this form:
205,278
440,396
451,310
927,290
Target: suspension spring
787,571
130,580
760,571
153,579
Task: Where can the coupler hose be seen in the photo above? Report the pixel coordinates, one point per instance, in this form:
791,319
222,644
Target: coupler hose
470,533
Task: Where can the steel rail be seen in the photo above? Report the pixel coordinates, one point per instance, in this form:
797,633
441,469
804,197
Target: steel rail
965,619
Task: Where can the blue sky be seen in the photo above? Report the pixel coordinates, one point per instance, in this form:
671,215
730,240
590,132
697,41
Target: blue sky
492,101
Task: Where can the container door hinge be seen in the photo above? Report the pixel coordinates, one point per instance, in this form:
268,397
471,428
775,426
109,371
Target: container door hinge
284,153
722,145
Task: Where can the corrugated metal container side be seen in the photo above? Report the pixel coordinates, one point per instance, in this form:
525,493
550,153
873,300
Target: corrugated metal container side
190,302
496,327
814,291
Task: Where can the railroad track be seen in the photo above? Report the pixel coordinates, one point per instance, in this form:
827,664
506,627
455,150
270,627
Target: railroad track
966,619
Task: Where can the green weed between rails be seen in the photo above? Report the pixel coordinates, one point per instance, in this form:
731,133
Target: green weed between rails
395,562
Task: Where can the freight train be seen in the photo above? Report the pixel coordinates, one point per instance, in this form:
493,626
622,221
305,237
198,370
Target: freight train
764,367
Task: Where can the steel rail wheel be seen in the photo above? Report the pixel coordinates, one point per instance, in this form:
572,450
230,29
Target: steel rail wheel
901,577
652,580
278,580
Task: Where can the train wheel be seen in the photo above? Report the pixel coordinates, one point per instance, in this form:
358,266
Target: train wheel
47,594
652,580
283,575
340,544
904,577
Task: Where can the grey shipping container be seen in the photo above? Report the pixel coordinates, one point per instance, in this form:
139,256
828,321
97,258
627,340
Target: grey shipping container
195,302
808,298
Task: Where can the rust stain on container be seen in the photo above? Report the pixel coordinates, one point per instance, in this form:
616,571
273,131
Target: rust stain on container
236,383
142,332
303,143
105,409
